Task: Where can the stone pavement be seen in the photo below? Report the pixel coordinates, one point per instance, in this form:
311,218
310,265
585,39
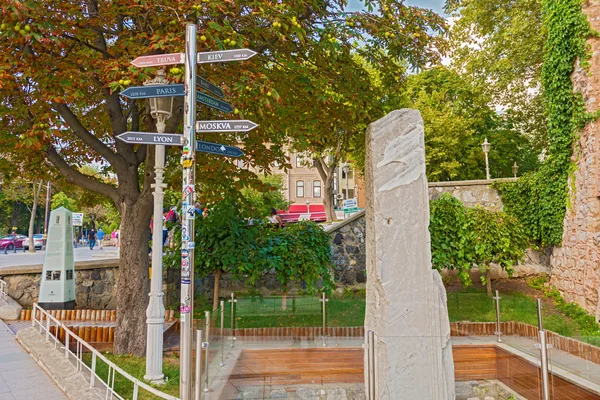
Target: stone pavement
20,376
21,258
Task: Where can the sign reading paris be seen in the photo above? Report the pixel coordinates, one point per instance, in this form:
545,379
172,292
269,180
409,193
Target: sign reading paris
145,92
242,125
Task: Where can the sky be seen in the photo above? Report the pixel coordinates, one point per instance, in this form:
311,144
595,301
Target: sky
436,5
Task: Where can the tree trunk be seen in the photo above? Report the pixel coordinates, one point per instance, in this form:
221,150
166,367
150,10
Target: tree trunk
36,196
488,280
328,202
216,291
133,284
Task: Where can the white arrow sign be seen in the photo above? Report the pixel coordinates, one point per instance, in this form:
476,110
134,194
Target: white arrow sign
159,60
225,55
166,139
238,125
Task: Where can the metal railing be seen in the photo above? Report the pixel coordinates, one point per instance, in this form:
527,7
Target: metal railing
3,286
45,321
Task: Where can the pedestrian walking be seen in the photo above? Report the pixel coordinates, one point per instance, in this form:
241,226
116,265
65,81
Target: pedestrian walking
92,238
100,236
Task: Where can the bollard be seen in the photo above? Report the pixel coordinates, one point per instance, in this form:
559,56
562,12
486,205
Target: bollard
232,301
498,332
198,375
371,364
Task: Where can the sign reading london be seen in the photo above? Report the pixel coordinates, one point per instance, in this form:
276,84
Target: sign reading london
166,139
242,125
214,103
159,60
225,55
145,92
211,87
220,149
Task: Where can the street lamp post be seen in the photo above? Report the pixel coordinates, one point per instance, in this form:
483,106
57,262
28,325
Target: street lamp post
515,169
486,149
161,109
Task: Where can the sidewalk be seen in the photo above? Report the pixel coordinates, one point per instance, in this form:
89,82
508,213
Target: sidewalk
20,376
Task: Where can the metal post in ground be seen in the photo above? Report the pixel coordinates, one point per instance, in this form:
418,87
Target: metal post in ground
222,331
543,354
324,300
232,301
198,374
371,365
205,345
187,220
498,332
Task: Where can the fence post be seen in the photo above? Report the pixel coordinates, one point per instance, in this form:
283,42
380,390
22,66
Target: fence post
498,332
222,331
233,301
371,365
324,300
543,345
207,316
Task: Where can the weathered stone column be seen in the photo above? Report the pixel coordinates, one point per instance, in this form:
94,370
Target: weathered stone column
406,306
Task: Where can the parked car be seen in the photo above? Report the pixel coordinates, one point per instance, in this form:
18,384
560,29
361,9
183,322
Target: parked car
11,243
299,212
38,241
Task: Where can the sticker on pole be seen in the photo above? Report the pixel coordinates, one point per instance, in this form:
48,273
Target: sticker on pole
191,212
189,189
191,245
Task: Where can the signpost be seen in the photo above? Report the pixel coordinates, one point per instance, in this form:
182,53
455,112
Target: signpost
214,103
206,85
225,56
158,60
350,206
241,125
146,92
220,149
77,219
166,139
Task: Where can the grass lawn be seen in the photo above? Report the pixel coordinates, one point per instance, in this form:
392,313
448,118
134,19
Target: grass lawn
136,366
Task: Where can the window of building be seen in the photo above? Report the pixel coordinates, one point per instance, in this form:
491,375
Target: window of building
317,189
343,174
299,188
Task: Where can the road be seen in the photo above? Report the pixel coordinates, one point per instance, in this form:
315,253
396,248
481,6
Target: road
81,254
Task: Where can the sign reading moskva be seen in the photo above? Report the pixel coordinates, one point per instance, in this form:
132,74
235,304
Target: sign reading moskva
242,125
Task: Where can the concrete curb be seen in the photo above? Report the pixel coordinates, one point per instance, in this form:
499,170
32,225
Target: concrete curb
73,383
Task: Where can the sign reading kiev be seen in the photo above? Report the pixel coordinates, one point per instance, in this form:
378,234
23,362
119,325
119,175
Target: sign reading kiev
158,60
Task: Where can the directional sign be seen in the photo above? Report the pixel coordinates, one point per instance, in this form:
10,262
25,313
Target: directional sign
220,149
242,125
144,92
166,139
214,103
159,59
225,55
206,85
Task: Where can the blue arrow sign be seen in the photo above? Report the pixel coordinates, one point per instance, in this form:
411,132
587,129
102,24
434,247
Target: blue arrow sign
211,87
220,149
212,102
145,92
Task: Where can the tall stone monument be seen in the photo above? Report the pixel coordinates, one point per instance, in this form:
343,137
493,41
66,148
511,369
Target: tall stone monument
57,287
406,300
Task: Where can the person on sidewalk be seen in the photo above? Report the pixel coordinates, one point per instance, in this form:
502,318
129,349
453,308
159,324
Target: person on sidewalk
92,238
100,236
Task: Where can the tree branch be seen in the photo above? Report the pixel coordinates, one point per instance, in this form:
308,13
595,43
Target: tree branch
77,178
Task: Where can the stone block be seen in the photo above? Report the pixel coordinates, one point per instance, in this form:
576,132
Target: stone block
10,310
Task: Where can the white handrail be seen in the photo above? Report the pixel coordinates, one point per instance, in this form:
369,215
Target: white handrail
3,286
45,321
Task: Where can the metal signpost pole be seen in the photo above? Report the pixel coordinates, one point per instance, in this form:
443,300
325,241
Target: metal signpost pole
187,219
198,374
206,345
233,301
543,354
498,332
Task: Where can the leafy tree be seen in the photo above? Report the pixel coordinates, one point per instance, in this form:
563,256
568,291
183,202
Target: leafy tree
267,196
60,199
64,64
500,47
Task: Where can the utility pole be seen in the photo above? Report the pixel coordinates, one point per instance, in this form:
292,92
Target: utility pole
47,217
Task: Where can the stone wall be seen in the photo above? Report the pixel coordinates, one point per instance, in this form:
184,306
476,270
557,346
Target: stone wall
95,284
348,250
576,265
470,193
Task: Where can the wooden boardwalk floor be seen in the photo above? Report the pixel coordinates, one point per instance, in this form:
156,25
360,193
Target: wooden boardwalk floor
298,367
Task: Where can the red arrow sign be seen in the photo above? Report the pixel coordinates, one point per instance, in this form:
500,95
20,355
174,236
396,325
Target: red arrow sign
158,60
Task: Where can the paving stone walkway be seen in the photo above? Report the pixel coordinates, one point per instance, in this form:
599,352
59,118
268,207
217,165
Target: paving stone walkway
21,378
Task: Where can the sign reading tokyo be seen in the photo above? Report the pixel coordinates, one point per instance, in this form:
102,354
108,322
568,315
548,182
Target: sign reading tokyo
145,92
166,139
242,125
220,149
225,55
159,60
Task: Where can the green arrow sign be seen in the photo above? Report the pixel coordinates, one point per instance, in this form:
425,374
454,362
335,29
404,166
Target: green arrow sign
212,102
